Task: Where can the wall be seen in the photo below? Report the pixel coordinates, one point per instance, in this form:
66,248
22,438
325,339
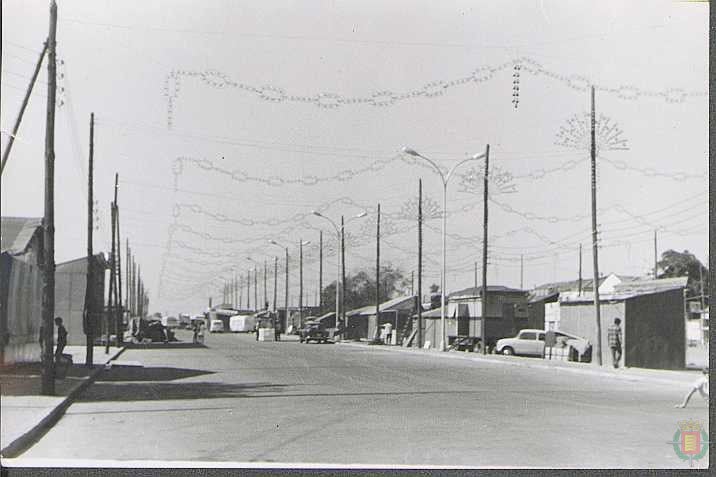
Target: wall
579,319
655,330
70,289
21,285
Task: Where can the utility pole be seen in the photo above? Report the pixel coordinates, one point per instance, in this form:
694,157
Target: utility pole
343,275
25,101
127,259
112,282
412,282
420,263
377,274
257,307
248,289
522,272
701,286
48,289
135,310
275,282
120,301
475,275
265,293
89,309
286,291
300,284
655,258
320,274
116,265
483,313
579,289
595,255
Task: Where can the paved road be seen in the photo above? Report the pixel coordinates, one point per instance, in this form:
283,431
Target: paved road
239,400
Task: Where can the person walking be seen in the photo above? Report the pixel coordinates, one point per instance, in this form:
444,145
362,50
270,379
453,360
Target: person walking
614,334
701,385
61,338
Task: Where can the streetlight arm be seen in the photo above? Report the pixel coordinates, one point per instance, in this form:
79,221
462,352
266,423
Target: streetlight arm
476,157
432,163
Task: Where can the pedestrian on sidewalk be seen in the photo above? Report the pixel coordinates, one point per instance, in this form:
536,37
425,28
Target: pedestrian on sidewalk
256,328
61,338
614,334
701,385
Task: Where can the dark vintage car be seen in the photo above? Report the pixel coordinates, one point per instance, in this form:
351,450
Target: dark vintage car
313,331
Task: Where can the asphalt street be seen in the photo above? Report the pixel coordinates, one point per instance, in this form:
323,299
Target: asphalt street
243,401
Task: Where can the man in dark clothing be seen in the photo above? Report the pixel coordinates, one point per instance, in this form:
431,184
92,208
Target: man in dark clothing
614,334
61,338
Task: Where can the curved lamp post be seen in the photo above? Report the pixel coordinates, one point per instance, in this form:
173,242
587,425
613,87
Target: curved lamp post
445,179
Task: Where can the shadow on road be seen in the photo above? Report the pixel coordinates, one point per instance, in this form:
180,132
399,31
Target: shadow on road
133,391
168,345
139,373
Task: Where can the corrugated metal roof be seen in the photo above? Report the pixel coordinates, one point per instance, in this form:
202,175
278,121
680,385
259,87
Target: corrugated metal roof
477,291
17,232
624,291
385,306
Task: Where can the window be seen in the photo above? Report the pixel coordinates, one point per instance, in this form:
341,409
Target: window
528,335
541,337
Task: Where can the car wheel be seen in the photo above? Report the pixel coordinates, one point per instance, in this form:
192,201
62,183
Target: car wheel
507,351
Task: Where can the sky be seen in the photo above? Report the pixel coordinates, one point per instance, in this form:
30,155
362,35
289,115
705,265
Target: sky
228,122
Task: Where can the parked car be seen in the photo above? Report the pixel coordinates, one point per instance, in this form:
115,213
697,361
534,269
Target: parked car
313,331
170,322
531,342
216,326
155,331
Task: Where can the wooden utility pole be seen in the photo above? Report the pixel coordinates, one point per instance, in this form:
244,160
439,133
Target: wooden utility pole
377,275
483,314
522,272
25,101
89,308
265,293
257,307
48,289
300,283
342,306
120,301
134,288
286,291
579,285
112,282
656,260
248,289
475,275
420,264
275,282
127,272
117,265
320,274
595,253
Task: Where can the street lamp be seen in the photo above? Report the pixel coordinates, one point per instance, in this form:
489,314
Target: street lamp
339,239
445,178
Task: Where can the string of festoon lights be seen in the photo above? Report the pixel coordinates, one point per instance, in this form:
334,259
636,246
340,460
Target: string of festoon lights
430,89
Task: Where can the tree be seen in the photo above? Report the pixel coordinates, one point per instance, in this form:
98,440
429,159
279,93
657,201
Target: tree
360,288
434,288
684,264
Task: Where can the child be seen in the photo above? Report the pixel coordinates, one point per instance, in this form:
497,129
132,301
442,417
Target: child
701,385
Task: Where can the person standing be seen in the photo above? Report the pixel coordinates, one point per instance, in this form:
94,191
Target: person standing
61,338
614,334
